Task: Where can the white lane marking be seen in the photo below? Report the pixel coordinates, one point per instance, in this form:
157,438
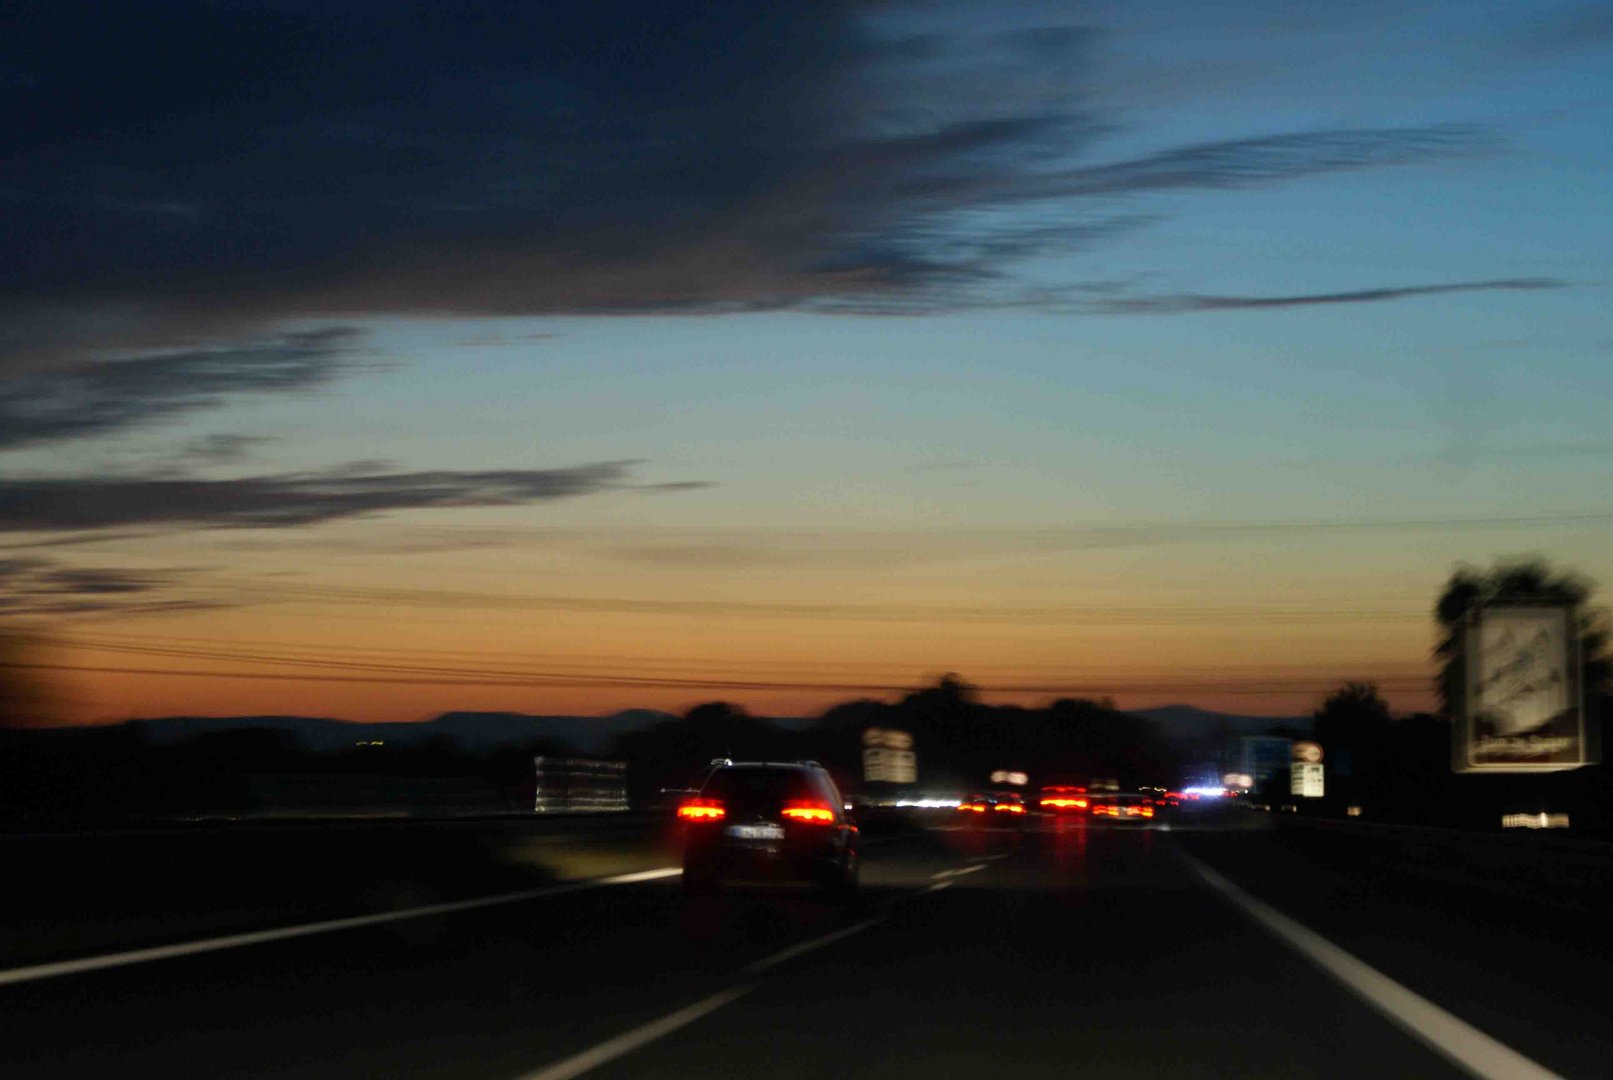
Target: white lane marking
628,1041
808,946
643,1035
1456,1039
257,937
959,871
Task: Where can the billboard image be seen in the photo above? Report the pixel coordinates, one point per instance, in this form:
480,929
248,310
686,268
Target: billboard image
1521,709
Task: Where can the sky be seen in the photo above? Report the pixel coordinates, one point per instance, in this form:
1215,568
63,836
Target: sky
371,363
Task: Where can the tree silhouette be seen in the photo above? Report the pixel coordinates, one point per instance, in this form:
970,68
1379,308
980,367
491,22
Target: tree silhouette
1526,581
1353,727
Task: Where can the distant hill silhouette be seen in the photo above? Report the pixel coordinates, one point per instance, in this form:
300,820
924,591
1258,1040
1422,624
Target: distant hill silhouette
1186,722
473,731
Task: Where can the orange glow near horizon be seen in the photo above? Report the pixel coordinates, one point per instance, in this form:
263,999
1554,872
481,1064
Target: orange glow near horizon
540,628
227,664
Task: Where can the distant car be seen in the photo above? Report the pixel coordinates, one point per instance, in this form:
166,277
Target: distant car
1063,799
769,823
1131,809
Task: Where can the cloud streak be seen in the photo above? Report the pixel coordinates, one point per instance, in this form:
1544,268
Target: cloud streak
1187,303
97,398
41,587
293,499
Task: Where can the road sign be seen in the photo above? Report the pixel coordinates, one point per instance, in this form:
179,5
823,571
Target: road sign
888,756
1521,707
1306,780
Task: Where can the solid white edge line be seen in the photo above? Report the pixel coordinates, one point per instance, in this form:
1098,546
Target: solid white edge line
1454,1038
957,871
807,946
628,1041
256,937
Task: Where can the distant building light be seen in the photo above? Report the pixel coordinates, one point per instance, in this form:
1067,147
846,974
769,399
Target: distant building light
1004,776
1352,811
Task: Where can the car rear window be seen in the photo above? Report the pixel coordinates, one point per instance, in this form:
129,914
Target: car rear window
759,790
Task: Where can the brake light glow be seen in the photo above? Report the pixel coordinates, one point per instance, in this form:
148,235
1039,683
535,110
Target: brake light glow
808,812
702,810
973,808
1060,803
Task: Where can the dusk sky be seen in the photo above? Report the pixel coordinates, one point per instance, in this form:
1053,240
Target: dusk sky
375,361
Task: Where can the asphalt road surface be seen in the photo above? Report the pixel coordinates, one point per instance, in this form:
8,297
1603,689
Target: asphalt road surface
1083,951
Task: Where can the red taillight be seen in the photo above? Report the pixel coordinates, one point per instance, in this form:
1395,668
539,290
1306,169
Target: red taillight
975,808
1062,803
1010,808
809,812
702,810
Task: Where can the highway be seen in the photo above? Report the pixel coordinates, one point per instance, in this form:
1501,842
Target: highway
1076,951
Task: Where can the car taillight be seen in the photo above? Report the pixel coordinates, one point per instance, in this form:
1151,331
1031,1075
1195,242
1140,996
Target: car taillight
809,812
975,808
1009,808
1148,811
701,810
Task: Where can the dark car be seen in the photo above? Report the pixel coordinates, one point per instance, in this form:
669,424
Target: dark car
768,823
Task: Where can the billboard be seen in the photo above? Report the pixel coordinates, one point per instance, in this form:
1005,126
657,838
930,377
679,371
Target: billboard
1521,707
1260,757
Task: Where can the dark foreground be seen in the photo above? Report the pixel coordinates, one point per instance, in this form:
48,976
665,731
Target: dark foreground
1086,951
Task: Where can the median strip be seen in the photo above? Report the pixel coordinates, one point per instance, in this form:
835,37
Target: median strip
258,937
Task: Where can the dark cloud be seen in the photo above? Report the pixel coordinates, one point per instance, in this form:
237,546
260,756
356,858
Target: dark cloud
204,175
77,503
1186,303
94,398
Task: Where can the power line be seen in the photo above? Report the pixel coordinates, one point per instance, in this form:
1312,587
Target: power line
1089,689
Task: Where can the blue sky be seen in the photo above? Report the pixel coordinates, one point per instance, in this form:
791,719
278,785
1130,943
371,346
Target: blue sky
791,307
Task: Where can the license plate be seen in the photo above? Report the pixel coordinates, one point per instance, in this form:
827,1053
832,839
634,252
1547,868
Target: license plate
756,832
